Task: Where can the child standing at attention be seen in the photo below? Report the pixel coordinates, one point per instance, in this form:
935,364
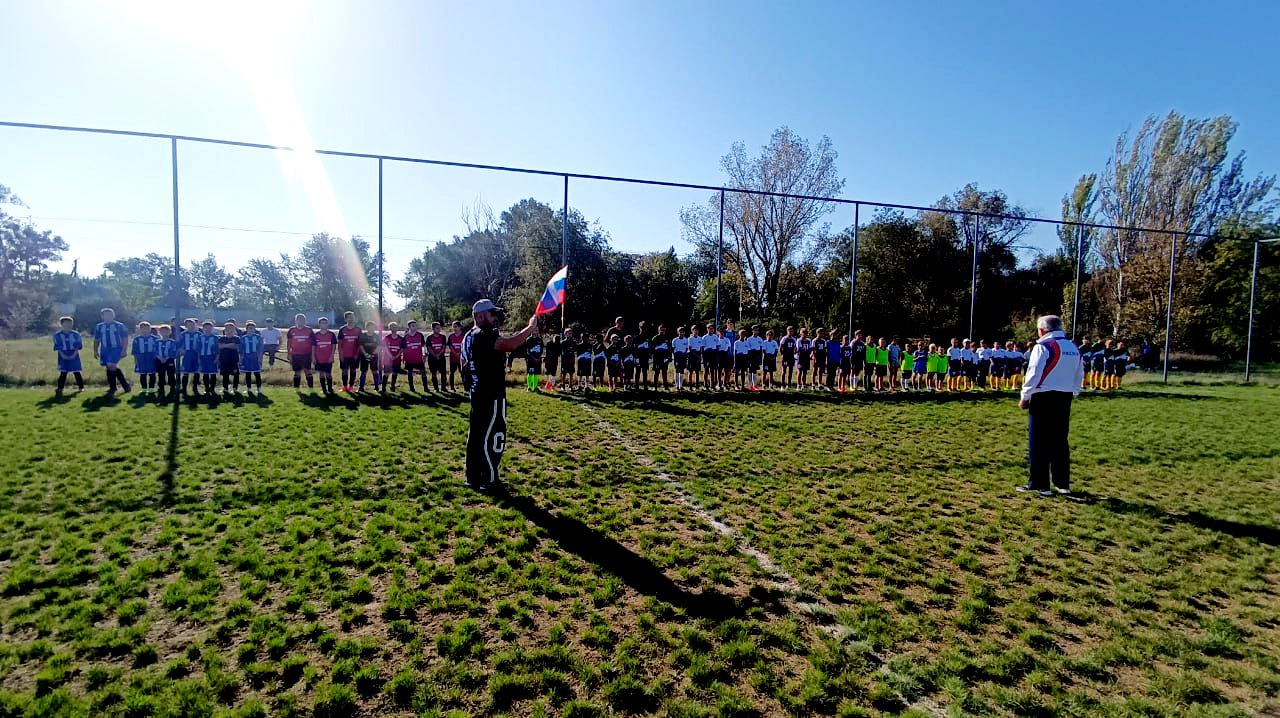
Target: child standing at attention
207,345
110,345
251,357
166,362
144,358
67,343
229,358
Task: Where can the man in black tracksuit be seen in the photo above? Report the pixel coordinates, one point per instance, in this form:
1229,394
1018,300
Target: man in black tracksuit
484,355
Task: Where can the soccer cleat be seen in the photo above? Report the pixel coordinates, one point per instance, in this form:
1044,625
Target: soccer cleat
1064,492
1028,489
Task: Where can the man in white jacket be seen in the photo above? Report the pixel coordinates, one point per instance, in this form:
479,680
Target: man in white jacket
1054,373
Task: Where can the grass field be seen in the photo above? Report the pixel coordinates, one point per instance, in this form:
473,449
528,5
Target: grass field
293,556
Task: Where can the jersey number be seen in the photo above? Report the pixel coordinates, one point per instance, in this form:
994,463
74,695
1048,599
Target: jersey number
499,442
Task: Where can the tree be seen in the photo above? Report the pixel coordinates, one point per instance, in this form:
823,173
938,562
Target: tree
1174,175
1078,207
142,282
210,284
332,274
262,283
765,231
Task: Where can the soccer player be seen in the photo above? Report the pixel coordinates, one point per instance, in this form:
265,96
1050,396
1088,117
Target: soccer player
919,367
456,365
982,363
755,352
391,356
787,348
599,362
846,364
741,360
270,343
67,344
207,346
630,364
585,356
532,361
189,357
551,360
660,347
144,358
166,361
895,363
617,330
326,345
970,359
110,346
436,346
229,358
819,357
302,347
955,365
570,349
727,338
251,343
906,369
882,363
642,353
615,362
835,352
370,354
1120,365
769,358
869,375
694,360
413,353
679,356
804,357
858,367
349,350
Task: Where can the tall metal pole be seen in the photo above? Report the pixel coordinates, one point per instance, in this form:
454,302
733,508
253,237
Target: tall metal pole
380,315
1168,312
1253,293
720,258
853,267
1075,302
973,279
177,265
564,254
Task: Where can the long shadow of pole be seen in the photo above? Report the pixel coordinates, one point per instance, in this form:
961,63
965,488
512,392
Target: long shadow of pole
171,457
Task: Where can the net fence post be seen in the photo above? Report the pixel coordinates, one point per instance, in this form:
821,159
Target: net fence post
1075,301
1168,310
564,253
973,279
380,271
720,257
177,265
853,266
1253,293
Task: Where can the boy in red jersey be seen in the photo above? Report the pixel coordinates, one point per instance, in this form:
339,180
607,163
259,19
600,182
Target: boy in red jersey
326,343
349,351
390,350
302,344
437,345
455,355
413,352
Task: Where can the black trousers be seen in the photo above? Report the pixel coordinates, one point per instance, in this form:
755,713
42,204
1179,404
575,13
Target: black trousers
486,440
1049,422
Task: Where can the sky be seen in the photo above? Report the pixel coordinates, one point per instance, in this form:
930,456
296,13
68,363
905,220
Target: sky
918,99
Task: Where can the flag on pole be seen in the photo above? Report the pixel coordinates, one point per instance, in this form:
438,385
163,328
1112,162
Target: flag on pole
554,296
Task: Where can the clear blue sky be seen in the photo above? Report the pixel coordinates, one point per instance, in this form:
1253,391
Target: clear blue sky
918,99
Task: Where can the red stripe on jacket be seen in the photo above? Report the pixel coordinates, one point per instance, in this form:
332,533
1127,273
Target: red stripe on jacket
1055,353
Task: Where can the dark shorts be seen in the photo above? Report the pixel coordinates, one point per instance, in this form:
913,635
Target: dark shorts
882,370
788,360
679,361
615,371
436,363
771,363
694,361
533,368
300,362
955,367
584,368
803,362
970,369
1120,369
984,367
712,359
351,363
726,359
1098,365
569,366
997,368
415,366
741,362
324,368
857,367
753,356
553,366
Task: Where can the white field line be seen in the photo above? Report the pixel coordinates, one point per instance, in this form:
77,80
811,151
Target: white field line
802,602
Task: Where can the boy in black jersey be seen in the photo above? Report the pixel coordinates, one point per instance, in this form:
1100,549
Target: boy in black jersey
551,357
819,357
787,349
660,346
614,359
641,351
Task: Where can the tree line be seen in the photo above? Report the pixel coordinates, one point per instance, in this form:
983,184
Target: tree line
782,261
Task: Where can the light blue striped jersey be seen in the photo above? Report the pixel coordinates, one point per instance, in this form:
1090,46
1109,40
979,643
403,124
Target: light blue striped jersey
143,345
111,335
188,341
67,341
166,349
251,344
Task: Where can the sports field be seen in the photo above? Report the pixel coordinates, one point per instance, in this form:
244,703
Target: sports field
760,555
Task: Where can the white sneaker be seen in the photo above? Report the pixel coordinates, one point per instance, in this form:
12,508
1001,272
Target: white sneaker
1064,492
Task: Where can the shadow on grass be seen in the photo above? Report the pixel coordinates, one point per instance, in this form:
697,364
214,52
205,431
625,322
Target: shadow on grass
660,401
637,572
52,401
170,472
100,402
1269,535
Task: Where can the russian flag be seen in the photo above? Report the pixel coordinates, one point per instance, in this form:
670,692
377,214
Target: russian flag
554,296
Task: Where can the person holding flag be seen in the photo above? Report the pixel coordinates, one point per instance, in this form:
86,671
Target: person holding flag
483,351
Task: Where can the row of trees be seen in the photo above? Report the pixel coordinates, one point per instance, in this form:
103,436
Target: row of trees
782,262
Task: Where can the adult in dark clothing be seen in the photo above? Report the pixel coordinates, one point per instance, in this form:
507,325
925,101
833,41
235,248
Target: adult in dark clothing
484,354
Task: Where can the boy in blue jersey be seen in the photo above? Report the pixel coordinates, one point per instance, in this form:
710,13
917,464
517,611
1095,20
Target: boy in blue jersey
67,344
166,361
207,350
834,354
189,356
110,346
144,358
251,357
